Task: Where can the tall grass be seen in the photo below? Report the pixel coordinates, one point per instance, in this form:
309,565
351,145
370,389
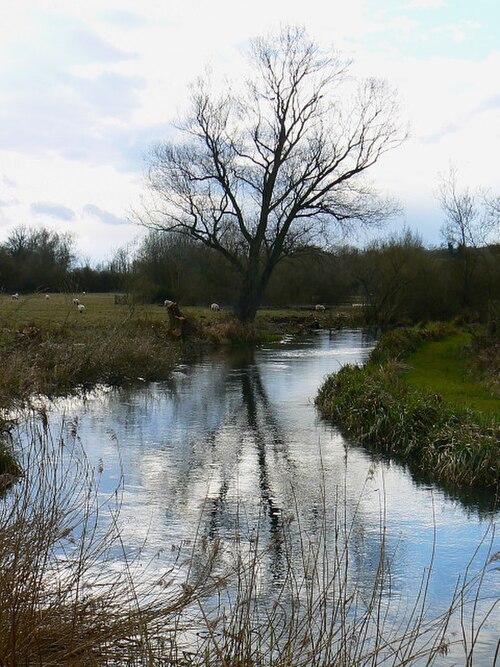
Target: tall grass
55,360
71,593
422,423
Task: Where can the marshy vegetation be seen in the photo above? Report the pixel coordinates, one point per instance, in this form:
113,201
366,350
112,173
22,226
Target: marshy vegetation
49,347
419,400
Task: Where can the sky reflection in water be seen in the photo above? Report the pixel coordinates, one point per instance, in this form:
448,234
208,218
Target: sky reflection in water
233,444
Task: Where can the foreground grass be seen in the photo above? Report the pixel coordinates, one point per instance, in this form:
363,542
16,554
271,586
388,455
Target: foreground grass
420,417
70,594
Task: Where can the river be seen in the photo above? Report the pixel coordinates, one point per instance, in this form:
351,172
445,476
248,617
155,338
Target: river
232,446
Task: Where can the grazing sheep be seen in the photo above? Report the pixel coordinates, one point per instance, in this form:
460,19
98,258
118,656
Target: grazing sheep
47,296
215,306
15,296
319,306
76,302
81,307
167,303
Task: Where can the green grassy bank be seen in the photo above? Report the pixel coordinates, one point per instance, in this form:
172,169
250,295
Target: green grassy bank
442,367
421,399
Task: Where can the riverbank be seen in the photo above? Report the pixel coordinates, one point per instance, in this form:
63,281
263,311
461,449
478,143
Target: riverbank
423,399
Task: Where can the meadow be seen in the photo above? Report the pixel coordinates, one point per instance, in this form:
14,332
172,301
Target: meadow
102,311
48,346
442,367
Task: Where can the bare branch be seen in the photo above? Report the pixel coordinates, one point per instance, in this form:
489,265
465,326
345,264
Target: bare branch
261,172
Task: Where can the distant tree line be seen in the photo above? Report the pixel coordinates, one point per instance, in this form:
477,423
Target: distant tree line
35,258
40,259
397,279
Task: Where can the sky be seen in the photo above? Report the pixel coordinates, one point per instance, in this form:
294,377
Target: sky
86,88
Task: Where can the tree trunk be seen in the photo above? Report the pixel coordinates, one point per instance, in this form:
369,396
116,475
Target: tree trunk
249,298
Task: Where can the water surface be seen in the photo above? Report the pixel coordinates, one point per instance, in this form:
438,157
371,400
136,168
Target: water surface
232,445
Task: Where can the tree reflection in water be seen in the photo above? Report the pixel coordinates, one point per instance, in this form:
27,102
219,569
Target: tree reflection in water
259,428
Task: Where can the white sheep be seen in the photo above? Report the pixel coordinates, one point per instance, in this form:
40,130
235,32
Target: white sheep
167,303
81,307
47,296
76,302
319,306
215,306
15,296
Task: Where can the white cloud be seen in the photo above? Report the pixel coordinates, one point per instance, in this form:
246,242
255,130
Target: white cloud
401,24
123,18
105,217
5,203
8,182
459,31
425,4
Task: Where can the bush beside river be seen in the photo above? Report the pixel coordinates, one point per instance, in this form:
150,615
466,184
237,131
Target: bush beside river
376,404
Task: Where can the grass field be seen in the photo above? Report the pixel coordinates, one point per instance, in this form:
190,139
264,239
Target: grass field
59,310
48,346
101,310
442,368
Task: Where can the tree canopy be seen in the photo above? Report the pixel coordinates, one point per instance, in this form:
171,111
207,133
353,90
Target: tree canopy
259,174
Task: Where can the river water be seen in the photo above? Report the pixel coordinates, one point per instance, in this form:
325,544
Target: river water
232,446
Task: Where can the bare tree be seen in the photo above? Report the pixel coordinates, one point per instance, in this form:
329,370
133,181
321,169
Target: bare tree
460,209
263,173
492,205
470,222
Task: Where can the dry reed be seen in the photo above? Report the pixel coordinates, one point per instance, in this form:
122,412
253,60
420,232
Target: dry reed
71,593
